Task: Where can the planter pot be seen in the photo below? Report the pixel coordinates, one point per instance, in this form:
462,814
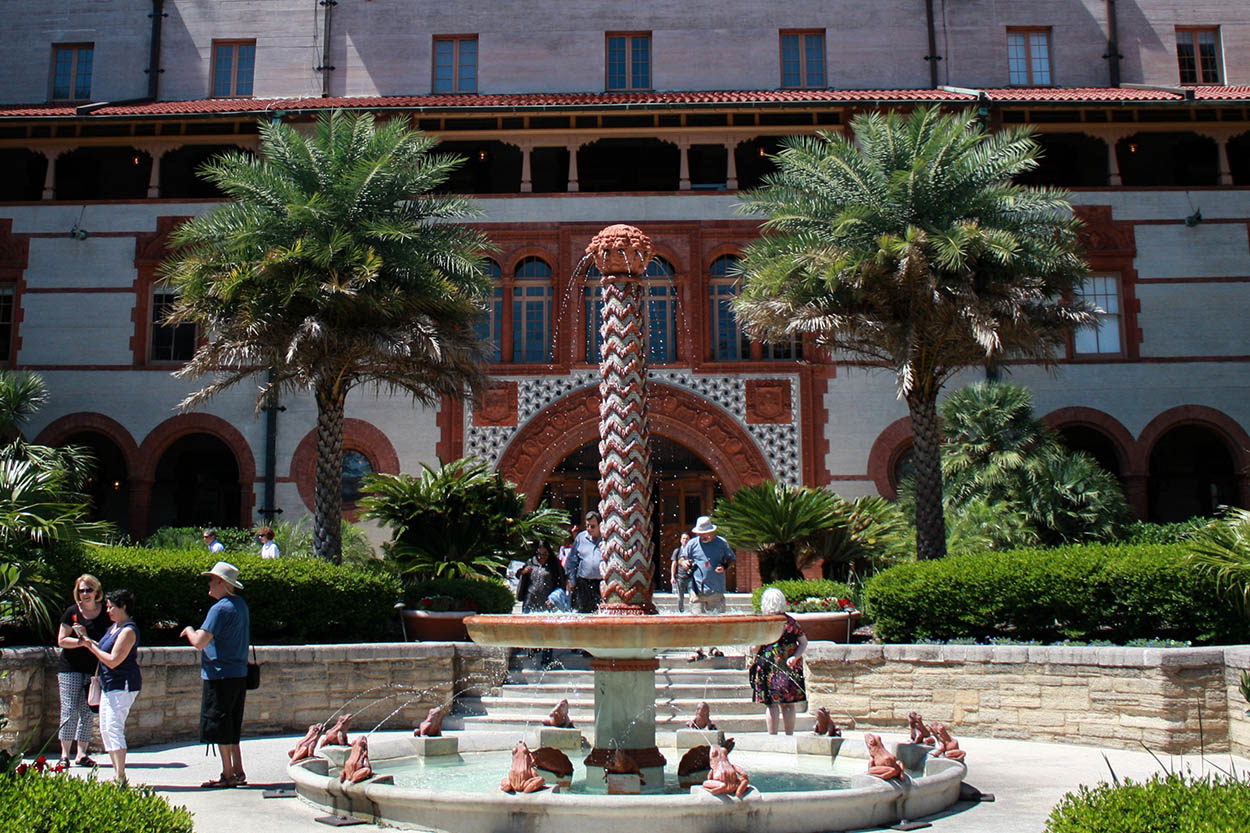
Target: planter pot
436,625
828,627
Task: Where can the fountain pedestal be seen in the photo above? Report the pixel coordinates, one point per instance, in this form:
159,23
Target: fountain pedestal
625,717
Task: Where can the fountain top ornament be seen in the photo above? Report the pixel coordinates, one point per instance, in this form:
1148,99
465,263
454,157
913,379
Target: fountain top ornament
620,251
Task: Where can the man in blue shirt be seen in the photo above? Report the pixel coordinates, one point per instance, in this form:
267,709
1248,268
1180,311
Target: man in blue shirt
585,567
223,640
708,554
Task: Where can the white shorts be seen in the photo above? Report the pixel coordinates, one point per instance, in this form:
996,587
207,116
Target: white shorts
114,709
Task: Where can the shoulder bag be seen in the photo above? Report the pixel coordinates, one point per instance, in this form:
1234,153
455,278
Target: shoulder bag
253,672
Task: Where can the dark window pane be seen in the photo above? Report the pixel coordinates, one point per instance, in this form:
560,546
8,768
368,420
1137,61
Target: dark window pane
355,467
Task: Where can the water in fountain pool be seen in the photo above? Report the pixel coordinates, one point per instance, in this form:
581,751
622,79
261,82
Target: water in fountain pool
480,772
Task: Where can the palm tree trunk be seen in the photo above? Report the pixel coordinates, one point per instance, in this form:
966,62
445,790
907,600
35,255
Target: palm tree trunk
328,511
927,455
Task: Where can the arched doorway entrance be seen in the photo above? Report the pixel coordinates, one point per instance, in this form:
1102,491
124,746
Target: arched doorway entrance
685,487
196,484
686,431
109,486
1192,473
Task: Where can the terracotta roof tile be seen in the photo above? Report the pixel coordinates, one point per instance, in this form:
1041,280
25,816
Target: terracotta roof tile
557,101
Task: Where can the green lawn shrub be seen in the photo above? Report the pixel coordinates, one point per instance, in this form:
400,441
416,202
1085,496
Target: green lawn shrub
292,600
1081,592
35,802
1145,532
796,590
192,537
1173,803
482,595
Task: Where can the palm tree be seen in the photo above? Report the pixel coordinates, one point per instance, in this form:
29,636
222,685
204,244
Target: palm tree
333,267
911,249
1222,549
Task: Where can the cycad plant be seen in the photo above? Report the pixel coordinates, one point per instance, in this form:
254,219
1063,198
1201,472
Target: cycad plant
789,527
333,266
910,248
461,520
1222,548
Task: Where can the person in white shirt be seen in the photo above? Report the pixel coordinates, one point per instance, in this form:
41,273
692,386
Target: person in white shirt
210,541
268,549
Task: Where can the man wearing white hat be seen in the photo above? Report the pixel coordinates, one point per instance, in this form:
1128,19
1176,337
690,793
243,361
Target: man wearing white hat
223,641
707,553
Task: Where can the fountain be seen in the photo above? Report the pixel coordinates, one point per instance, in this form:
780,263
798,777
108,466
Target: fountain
624,639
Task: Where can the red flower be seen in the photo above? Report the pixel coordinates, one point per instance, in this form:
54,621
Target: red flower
21,769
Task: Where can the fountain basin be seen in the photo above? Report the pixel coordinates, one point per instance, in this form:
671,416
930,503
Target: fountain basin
623,636
864,802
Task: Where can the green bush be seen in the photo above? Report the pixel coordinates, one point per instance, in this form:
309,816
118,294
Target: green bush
192,538
292,600
796,590
482,595
1081,592
45,803
1175,803
1145,532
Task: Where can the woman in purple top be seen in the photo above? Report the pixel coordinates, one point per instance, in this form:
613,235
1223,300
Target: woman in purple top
120,678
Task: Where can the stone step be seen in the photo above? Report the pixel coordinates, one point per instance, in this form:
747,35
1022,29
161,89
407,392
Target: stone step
523,722
736,702
545,693
692,674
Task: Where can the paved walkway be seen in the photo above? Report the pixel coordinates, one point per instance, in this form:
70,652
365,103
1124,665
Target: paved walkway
1027,779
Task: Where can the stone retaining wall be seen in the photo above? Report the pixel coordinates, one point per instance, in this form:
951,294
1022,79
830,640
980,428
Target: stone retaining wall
1171,700
299,685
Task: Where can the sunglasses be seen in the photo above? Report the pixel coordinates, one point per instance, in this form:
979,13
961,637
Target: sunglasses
86,591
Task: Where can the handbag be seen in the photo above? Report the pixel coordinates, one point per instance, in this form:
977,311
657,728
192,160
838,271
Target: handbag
94,690
253,672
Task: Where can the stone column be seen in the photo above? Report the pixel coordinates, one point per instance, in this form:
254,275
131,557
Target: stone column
154,176
1135,493
1113,162
527,186
683,176
49,177
625,718
573,185
731,166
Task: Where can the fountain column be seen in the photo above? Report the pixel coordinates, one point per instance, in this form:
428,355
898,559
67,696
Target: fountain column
625,719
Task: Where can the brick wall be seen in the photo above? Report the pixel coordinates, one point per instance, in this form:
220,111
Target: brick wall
1171,700
299,685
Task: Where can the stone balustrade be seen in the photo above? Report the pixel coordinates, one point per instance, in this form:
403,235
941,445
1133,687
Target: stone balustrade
299,685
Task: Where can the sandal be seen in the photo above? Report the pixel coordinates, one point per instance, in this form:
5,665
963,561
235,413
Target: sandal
240,780
221,782
696,656
63,763
717,652
84,761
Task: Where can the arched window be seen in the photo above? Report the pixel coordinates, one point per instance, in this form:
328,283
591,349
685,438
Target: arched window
531,311
490,325
355,466
729,343
659,297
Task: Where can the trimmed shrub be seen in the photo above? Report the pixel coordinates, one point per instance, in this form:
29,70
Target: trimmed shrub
482,595
796,590
1145,532
292,600
43,803
1175,803
235,540
1081,592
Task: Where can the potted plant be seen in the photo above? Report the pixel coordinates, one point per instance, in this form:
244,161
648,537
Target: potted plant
822,608
460,522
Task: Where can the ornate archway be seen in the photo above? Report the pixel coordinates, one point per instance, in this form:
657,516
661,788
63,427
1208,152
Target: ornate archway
565,425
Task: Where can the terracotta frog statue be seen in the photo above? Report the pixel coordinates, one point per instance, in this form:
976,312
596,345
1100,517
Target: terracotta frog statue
307,745
432,726
702,717
881,763
919,732
559,717
825,725
523,777
724,777
357,767
947,746
622,764
553,760
337,736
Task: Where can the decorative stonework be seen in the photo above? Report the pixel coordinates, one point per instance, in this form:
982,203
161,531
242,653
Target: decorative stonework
498,405
768,402
1103,235
779,443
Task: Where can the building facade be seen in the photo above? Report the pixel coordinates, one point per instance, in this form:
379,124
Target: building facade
574,115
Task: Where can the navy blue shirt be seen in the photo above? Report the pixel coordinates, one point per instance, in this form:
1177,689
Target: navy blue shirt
230,623
705,558
126,676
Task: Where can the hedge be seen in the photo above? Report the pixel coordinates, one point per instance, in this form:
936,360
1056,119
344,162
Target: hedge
1175,803
796,590
35,802
1088,592
481,595
292,600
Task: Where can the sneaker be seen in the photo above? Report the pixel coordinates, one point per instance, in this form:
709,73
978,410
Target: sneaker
84,761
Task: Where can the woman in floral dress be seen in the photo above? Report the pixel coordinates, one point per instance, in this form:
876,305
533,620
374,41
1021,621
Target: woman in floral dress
777,672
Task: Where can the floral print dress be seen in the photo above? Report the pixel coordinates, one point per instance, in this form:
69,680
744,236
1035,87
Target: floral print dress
772,681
